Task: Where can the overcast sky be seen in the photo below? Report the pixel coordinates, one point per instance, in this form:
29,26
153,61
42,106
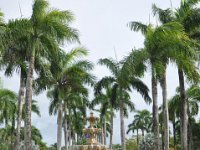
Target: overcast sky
103,28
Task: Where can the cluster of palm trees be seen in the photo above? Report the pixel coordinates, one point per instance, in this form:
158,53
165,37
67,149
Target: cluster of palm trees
173,40
33,47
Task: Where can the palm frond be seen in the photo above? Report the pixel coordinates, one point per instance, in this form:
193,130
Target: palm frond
138,85
164,16
105,82
138,26
110,64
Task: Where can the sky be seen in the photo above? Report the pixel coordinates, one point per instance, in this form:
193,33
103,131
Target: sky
103,31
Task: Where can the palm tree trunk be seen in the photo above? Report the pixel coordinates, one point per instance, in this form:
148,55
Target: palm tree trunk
70,137
102,136
183,114
12,132
19,113
155,112
111,129
66,132
29,82
137,138
59,127
165,110
162,134
174,132
105,127
143,133
190,135
122,125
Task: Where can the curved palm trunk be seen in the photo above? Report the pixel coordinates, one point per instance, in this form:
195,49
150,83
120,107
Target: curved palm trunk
66,133
155,112
165,110
105,127
59,127
29,82
183,114
111,129
19,113
122,126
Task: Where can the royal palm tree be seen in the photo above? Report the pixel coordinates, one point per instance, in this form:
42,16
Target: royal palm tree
132,127
193,98
75,102
174,113
70,75
120,85
143,119
14,59
104,99
9,112
46,29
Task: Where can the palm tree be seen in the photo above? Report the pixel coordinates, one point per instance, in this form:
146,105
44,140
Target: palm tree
174,113
36,135
69,77
107,106
186,14
46,29
132,127
143,120
193,98
156,52
14,59
121,84
7,105
9,112
75,102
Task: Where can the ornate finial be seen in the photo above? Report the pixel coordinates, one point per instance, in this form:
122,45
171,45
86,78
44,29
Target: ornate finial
92,119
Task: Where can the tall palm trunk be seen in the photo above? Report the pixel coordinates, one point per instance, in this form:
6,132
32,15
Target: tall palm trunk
19,113
165,110
105,127
190,135
70,137
66,132
12,132
142,132
137,138
59,127
122,125
183,114
162,134
155,112
174,131
111,129
102,136
29,82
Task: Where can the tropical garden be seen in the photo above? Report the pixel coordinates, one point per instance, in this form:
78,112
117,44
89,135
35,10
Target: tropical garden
33,48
